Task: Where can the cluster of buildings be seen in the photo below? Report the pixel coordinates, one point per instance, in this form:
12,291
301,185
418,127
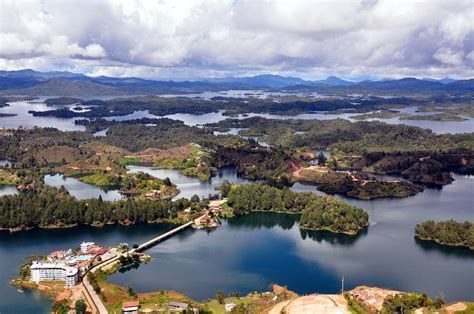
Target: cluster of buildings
210,218
67,265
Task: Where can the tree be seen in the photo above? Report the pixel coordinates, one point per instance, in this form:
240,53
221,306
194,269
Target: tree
80,307
438,302
167,181
131,292
24,271
220,297
321,159
195,199
225,188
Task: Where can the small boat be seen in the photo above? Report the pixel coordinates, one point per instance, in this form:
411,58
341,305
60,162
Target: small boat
20,290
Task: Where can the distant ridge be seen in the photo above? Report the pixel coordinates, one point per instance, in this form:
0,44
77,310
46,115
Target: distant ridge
34,83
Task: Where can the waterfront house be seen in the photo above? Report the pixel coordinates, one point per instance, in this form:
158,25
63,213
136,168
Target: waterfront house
180,306
130,307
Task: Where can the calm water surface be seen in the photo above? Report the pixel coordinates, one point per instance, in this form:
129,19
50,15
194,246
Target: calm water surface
191,186
81,190
14,247
27,120
24,119
250,253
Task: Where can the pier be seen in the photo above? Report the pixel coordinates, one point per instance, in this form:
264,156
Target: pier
96,303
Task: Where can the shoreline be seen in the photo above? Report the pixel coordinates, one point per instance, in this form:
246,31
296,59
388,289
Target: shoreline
444,244
52,227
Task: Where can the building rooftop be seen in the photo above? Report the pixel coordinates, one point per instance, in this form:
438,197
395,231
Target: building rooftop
177,304
130,304
56,253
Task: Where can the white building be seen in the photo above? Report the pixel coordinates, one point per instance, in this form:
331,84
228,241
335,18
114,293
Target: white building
54,271
86,246
229,307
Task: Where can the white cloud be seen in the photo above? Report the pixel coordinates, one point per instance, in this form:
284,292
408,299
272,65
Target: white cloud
12,44
449,57
200,38
59,46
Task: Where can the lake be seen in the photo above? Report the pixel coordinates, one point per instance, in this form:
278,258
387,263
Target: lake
190,186
81,190
24,119
27,120
252,252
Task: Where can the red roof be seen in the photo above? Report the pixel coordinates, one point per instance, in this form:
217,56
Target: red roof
130,304
56,253
98,250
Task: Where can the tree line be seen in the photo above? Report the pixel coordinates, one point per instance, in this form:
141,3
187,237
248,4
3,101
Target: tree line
53,207
450,232
317,212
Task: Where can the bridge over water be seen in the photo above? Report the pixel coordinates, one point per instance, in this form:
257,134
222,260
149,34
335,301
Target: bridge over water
98,306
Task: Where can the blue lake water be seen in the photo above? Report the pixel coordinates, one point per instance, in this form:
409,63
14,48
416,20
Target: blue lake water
81,190
27,120
252,252
191,186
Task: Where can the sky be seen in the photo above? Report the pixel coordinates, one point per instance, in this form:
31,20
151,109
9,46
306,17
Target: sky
199,39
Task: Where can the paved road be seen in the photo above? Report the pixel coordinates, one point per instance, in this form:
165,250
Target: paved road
99,306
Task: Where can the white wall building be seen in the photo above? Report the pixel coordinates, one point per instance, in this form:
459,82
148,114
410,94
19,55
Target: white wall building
54,271
86,246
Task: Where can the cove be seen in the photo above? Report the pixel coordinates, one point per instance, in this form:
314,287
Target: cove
249,253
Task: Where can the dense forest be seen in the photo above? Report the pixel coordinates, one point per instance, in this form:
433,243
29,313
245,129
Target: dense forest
347,137
449,233
52,207
317,212
418,154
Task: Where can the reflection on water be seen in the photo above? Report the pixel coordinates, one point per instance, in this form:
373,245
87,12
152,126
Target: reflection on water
26,120
81,190
191,186
331,237
8,190
15,247
245,93
459,252
264,220
249,253
193,119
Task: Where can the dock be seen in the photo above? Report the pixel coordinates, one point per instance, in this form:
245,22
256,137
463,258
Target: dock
97,304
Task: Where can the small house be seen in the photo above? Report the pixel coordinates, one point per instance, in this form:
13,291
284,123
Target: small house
179,306
130,307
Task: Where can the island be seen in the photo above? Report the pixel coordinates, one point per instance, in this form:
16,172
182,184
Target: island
317,212
353,184
6,115
447,233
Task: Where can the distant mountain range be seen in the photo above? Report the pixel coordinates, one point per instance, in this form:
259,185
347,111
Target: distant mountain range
30,82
